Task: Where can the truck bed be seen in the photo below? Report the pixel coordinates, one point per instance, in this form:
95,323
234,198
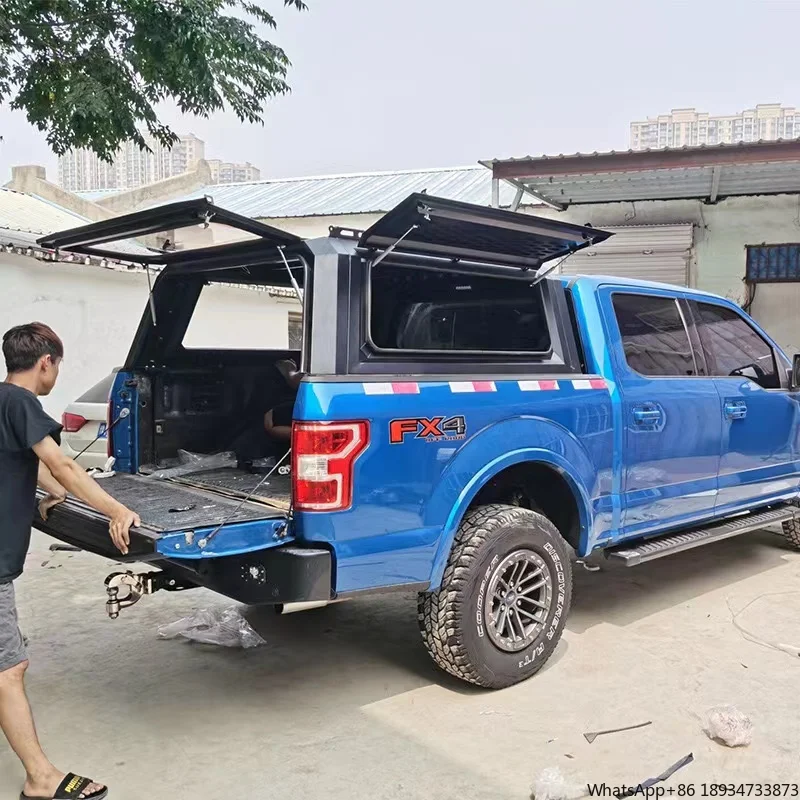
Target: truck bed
165,506
275,490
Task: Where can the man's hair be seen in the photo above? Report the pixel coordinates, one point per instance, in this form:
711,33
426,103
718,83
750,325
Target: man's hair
24,345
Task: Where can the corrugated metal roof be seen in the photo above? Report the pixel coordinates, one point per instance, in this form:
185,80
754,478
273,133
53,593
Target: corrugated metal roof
669,184
705,172
26,212
764,145
359,193
31,216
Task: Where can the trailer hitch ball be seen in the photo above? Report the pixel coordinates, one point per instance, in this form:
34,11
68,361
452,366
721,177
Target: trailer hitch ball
134,587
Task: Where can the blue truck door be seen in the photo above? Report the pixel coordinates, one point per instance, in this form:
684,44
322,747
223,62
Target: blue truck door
759,416
670,412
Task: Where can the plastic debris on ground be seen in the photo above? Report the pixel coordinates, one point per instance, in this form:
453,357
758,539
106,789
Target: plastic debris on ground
225,627
728,725
196,462
551,784
106,472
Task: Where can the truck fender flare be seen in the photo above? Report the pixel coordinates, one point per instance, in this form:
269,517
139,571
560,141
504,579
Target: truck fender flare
482,477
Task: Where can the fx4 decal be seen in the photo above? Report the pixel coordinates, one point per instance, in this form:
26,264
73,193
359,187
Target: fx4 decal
434,429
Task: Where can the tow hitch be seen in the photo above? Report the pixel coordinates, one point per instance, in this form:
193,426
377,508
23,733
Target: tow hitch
137,586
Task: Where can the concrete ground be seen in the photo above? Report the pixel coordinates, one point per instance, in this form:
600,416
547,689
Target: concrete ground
343,702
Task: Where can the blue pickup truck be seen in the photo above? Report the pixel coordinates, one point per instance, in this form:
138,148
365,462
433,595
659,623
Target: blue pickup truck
465,425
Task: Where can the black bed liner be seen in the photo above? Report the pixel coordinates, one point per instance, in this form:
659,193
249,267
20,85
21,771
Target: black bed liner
276,489
155,502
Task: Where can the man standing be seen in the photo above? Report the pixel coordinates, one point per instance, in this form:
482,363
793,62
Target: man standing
30,453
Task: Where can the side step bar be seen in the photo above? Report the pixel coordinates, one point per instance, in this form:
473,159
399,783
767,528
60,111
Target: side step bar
633,555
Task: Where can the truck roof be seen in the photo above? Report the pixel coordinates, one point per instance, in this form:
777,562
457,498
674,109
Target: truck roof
611,280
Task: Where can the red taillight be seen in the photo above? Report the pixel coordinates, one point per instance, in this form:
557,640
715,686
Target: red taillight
72,423
323,455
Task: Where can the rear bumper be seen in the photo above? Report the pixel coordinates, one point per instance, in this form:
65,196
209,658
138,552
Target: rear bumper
286,574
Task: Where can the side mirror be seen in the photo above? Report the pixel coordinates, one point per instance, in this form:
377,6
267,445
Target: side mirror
794,377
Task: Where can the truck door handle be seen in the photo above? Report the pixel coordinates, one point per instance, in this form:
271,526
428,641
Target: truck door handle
735,409
646,416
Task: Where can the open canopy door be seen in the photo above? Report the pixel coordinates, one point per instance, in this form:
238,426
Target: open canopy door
89,239
433,226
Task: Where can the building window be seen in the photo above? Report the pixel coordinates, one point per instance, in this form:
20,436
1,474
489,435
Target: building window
773,263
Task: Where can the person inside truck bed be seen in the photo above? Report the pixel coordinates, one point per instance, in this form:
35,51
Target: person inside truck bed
278,420
273,435
30,453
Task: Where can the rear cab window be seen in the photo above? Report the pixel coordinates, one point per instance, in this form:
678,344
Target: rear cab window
654,334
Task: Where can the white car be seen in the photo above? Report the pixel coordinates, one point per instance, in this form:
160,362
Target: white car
85,426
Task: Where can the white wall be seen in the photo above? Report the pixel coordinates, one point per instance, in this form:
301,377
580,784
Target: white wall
721,232
97,311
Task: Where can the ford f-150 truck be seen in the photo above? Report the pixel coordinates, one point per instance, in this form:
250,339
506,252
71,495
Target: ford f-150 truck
465,424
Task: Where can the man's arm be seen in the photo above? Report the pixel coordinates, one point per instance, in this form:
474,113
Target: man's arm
56,493
75,480
47,482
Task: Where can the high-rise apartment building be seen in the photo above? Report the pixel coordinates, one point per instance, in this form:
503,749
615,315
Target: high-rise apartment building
227,172
80,170
687,126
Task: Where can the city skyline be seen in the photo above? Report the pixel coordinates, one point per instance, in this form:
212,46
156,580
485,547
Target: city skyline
132,167
684,127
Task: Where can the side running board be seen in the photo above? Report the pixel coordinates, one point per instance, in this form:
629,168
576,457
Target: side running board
632,555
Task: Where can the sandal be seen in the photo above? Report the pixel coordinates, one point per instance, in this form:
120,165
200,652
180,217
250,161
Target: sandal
70,789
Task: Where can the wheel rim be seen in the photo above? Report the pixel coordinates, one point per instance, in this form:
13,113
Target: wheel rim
519,595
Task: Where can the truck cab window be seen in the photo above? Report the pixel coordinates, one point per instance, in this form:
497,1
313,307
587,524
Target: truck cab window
733,348
654,336
419,309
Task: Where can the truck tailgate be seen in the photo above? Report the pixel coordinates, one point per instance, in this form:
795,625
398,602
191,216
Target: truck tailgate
168,513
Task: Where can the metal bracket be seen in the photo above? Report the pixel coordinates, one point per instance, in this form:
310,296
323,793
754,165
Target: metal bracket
137,586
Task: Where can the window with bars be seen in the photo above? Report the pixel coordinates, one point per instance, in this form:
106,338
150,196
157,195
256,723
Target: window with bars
773,263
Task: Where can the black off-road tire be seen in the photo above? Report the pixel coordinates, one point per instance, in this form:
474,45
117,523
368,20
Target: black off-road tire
791,530
452,619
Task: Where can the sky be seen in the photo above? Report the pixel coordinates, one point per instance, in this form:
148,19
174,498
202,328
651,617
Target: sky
381,85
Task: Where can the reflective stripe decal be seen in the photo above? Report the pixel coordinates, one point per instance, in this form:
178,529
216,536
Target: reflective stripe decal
405,388
466,387
377,388
391,388
537,386
473,387
593,383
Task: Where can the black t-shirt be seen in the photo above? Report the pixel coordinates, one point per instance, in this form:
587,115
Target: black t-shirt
23,423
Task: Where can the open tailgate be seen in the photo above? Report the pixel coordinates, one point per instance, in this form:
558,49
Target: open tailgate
178,522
